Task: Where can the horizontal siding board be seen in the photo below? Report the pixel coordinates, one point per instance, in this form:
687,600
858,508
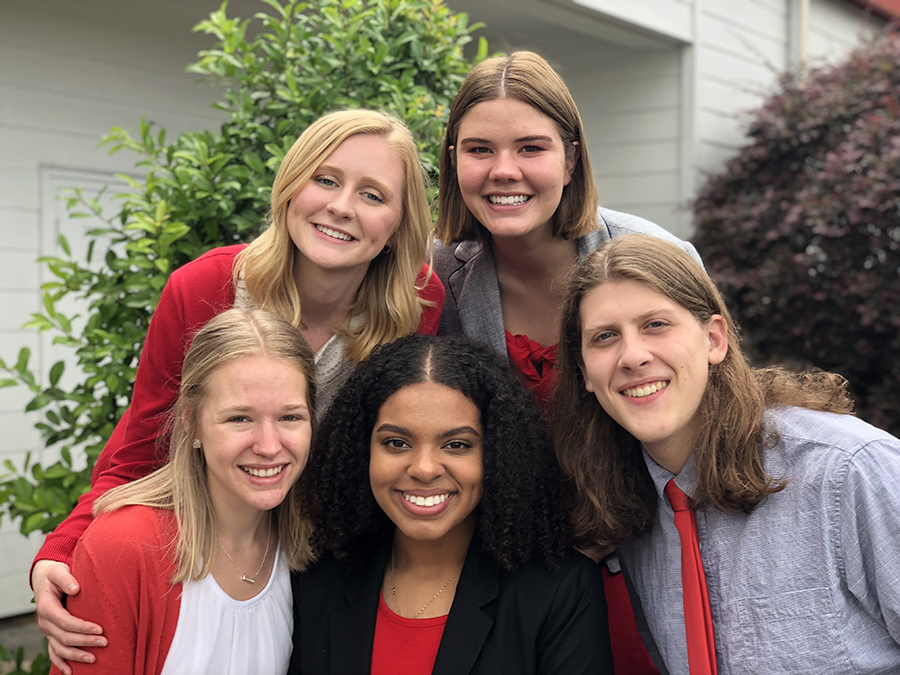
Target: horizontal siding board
19,434
18,306
631,95
642,189
742,41
638,126
609,159
18,271
19,228
18,188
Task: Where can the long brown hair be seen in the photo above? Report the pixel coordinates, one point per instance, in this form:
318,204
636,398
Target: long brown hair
387,295
182,485
614,497
526,77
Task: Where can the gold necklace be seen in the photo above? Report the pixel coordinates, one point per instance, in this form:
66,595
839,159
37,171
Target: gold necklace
433,598
244,577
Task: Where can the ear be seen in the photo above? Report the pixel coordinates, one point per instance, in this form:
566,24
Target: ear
572,161
717,333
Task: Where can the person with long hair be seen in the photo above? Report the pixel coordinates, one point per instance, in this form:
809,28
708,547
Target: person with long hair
188,567
438,508
343,258
758,518
518,210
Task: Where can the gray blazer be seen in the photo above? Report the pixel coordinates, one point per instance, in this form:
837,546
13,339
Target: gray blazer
472,306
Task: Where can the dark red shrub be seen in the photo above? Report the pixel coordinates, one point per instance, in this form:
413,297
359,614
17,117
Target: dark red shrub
802,229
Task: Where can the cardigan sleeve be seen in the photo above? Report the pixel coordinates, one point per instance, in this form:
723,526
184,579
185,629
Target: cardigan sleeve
194,294
434,294
124,566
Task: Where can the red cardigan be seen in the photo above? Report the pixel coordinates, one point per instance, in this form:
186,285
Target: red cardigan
194,294
124,567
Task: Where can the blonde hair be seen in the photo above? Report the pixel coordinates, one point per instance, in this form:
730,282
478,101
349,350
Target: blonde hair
387,295
182,484
526,77
615,498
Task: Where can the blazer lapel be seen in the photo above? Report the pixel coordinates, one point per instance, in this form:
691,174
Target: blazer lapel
467,624
352,629
474,286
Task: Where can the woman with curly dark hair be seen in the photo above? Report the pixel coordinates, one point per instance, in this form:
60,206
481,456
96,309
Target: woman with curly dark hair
439,516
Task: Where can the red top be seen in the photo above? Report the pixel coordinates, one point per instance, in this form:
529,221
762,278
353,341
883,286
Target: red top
194,294
536,365
402,645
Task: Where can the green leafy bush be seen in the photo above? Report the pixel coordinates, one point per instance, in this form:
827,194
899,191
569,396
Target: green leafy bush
802,229
209,189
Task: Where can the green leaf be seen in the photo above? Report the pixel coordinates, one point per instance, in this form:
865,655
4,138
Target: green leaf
56,372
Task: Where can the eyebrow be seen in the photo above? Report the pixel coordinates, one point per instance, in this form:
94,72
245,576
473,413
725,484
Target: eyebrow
522,139
393,428
663,312
388,193
247,408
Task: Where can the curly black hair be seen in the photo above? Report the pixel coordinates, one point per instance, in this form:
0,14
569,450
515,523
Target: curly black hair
521,516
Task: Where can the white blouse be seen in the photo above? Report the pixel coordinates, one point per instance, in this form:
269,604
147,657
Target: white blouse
218,635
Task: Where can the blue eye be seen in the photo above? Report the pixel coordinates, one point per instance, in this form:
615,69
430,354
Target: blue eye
326,181
373,197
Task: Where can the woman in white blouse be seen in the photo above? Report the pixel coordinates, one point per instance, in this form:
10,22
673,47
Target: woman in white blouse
187,568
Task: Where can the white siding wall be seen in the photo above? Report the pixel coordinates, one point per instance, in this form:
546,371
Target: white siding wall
65,79
741,47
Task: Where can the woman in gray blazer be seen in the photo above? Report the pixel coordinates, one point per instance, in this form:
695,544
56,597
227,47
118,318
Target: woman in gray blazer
518,210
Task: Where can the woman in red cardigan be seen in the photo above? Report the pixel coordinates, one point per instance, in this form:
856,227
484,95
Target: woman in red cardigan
343,258
187,568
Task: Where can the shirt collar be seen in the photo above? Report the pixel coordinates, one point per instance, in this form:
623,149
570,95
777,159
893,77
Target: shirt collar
686,480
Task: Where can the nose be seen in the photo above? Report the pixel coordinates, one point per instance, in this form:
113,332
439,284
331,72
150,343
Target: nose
268,441
425,465
341,204
634,353
505,167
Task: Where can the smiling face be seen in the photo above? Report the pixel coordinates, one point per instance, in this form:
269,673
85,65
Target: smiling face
646,359
511,166
426,462
255,430
345,214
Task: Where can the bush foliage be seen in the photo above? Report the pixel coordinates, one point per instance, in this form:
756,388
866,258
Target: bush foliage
208,189
802,229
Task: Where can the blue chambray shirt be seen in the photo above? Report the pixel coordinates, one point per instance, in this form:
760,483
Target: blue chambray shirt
809,582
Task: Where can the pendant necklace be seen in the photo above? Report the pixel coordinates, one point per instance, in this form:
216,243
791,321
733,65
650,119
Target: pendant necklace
244,577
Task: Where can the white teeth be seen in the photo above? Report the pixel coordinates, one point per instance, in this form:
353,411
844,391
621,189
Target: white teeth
646,390
426,501
500,200
334,233
263,473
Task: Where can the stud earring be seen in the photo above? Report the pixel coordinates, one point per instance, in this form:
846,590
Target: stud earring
197,444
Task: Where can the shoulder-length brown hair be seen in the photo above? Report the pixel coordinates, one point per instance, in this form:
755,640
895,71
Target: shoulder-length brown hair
182,484
387,295
526,77
614,495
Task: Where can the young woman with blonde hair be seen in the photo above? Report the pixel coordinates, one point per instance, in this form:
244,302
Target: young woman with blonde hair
343,259
755,516
168,564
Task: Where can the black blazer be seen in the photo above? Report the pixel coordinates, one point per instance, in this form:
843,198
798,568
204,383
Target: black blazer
533,621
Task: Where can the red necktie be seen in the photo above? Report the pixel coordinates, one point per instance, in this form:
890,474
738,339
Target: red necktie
701,645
